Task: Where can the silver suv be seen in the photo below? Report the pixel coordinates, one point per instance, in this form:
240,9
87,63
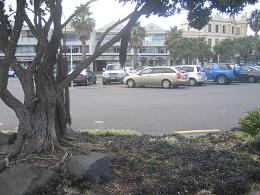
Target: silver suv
196,74
113,73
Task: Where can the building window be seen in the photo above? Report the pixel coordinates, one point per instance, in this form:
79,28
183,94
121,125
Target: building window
209,27
232,29
224,29
216,41
209,42
23,34
216,28
237,30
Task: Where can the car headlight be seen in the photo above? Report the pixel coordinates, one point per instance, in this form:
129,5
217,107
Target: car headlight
121,74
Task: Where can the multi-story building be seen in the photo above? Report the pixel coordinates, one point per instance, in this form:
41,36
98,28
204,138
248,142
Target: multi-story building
219,28
153,52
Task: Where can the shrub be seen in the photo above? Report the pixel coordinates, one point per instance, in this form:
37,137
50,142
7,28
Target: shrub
243,137
250,123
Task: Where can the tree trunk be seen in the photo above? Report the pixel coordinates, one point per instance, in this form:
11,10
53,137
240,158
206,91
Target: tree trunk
135,58
44,121
84,48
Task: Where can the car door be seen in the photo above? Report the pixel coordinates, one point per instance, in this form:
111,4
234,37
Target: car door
208,68
157,76
243,73
143,77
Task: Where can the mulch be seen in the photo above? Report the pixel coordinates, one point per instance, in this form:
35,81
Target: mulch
212,164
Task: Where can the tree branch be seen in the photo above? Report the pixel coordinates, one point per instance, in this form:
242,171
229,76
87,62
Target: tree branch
135,14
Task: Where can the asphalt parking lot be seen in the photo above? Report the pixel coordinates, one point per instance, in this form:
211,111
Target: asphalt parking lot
153,111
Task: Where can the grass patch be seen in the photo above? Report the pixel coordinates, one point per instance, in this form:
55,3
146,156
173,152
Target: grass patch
110,132
243,137
172,140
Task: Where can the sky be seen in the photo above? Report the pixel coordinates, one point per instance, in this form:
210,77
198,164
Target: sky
106,11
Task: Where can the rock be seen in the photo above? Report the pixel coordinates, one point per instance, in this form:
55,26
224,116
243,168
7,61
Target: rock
7,138
92,167
257,141
25,179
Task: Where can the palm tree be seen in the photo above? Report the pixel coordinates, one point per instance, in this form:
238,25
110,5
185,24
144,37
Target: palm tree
254,21
172,35
136,40
84,26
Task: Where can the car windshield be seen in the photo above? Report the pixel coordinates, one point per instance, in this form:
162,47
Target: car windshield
113,67
180,69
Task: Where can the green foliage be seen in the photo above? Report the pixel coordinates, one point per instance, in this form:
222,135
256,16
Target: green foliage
254,21
243,137
250,123
172,140
225,49
189,49
198,11
110,132
239,49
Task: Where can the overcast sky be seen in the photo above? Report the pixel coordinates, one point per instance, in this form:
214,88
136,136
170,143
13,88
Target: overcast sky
106,11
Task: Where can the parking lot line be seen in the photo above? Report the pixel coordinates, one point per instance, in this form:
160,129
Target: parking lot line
198,131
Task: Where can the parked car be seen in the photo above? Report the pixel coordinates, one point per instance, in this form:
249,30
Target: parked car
250,74
11,72
85,77
165,76
129,70
113,73
220,73
195,73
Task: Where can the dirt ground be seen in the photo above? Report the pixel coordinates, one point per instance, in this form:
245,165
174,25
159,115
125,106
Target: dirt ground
212,164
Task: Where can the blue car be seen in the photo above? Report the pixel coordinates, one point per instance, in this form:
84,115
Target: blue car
220,73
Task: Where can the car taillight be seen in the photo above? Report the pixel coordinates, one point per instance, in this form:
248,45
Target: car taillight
178,75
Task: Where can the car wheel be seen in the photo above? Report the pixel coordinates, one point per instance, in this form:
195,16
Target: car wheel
251,79
221,80
192,82
86,82
130,83
94,82
166,84
104,83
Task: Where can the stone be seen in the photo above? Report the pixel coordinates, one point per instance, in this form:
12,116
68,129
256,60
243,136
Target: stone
25,179
93,167
7,138
257,141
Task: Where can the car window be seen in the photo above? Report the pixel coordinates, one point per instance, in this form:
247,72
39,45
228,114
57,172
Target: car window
158,70
113,67
244,68
146,71
225,67
207,66
199,69
179,69
188,69
168,70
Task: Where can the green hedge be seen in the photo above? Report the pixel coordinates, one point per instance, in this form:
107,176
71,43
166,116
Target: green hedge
250,122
